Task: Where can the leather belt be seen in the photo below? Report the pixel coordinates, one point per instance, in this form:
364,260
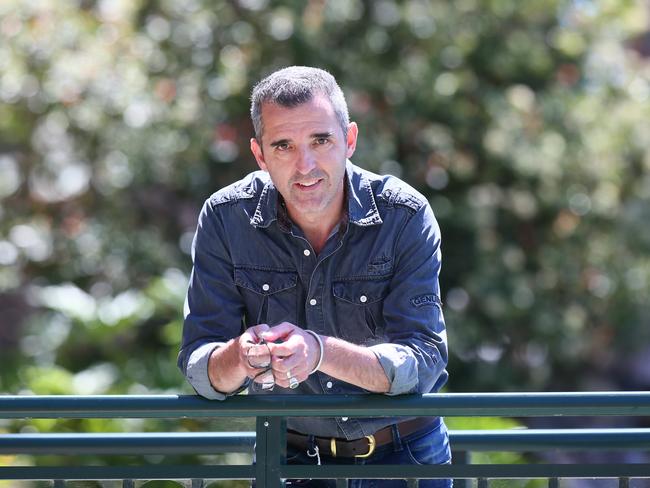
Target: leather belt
364,447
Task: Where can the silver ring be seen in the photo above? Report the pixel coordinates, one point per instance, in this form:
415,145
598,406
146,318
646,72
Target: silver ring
293,383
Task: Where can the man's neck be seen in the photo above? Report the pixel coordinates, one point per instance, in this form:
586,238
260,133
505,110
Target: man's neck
317,229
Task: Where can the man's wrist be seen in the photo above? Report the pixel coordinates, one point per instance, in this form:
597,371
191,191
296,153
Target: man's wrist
225,363
321,351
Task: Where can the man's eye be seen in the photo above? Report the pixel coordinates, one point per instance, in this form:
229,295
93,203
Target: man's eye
322,140
282,147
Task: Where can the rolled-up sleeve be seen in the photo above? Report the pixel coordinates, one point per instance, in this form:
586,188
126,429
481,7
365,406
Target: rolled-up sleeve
213,306
415,358
196,371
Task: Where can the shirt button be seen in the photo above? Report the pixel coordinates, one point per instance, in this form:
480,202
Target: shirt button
313,301
266,287
306,252
363,299
329,384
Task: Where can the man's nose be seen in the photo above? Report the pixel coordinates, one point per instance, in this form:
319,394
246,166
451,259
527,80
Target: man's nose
306,161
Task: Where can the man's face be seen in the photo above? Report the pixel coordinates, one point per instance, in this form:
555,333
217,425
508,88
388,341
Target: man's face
304,150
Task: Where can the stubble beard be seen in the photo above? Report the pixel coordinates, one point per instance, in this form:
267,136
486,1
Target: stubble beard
314,206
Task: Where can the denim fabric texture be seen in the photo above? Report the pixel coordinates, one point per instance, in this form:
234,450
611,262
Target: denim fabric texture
422,448
375,283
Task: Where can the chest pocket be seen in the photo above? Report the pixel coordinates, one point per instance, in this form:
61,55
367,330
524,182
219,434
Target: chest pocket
359,309
270,296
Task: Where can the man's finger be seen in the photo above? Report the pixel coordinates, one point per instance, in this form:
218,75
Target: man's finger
281,379
253,334
267,377
281,365
284,349
279,332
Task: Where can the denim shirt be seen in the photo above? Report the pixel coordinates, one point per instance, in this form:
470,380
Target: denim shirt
375,284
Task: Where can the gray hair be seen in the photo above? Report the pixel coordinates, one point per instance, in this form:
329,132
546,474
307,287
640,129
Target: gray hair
295,85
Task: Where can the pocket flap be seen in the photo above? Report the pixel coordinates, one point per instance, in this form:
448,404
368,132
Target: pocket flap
361,292
265,282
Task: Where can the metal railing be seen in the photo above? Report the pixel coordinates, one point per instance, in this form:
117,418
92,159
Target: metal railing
269,441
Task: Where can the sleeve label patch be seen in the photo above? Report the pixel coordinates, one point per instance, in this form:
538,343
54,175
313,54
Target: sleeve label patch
424,300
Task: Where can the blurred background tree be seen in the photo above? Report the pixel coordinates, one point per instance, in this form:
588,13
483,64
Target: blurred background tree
526,124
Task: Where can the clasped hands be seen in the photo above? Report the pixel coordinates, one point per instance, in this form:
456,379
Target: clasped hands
282,355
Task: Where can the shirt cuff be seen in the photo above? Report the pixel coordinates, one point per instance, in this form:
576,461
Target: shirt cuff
197,373
400,367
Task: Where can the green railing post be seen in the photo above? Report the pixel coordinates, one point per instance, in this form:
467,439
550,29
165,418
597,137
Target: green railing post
277,448
461,457
261,452
270,451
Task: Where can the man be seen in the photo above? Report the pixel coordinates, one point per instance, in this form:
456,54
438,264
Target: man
333,272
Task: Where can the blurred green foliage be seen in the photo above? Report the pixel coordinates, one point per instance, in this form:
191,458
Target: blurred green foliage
526,124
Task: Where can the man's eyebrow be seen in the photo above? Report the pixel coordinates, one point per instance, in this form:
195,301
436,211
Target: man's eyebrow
279,142
319,135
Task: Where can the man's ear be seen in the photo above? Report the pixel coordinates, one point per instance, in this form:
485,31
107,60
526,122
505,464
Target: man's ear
256,149
353,132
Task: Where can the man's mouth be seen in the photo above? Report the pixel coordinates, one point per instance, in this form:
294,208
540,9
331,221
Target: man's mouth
308,184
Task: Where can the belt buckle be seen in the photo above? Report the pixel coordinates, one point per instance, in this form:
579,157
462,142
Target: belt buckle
371,447
333,446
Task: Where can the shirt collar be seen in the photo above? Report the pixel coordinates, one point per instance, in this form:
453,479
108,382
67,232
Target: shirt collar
267,206
362,207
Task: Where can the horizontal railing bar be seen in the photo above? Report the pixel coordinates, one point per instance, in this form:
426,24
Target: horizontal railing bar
128,443
143,472
472,471
515,440
529,440
454,404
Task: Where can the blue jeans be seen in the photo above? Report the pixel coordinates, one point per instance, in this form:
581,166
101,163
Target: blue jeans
428,447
